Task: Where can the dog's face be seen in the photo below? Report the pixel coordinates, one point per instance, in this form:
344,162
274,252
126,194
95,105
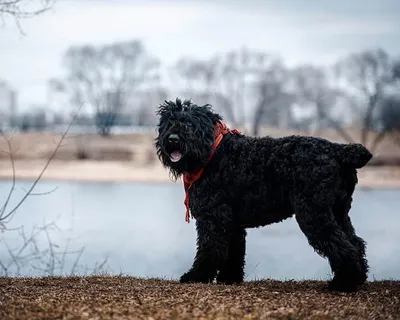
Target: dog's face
185,135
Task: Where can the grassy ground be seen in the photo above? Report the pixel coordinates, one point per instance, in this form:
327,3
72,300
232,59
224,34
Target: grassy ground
131,298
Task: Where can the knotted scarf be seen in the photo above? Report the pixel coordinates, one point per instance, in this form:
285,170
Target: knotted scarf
190,178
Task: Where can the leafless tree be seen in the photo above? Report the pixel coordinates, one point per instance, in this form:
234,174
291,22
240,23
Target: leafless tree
22,9
107,77
225,80
203,81
389,117
365,77
396,70
151,97
274,100
312,89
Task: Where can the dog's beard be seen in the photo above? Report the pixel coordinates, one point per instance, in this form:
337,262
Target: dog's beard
186,157
172,156
174,152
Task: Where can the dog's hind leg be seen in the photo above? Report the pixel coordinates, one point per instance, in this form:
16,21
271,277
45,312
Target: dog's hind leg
341,210
341,213
329,240
233,269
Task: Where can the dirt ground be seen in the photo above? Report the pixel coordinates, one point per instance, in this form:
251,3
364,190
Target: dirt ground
131,157
107,297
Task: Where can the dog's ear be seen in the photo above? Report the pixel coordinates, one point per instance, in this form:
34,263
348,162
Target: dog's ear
213,115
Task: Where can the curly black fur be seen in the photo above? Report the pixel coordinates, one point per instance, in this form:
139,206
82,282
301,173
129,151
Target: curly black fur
252,182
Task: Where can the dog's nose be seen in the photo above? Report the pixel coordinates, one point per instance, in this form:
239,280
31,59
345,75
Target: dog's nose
173,138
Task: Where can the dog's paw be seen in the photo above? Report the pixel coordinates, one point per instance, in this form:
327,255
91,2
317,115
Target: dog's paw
187,277
338,286
192,277
229,280
348,278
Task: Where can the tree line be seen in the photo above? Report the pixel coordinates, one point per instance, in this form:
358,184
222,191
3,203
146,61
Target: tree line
248,87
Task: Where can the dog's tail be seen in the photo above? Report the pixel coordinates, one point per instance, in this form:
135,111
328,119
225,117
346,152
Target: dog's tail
355,155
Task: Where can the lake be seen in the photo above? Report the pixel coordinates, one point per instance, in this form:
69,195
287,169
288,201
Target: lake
140,228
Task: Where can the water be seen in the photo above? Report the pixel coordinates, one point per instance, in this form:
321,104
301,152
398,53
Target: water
141,229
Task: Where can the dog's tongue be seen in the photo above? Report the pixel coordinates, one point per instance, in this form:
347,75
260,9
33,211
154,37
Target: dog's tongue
175,156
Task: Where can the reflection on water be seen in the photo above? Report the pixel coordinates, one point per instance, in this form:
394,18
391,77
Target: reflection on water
141,229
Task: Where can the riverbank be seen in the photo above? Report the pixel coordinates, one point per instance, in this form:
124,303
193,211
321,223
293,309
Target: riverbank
123,171
131,158
115,297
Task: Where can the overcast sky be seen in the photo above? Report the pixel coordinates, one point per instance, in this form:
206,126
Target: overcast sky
299,30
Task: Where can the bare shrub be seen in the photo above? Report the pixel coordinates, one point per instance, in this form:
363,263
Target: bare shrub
82,152
46,258
36,252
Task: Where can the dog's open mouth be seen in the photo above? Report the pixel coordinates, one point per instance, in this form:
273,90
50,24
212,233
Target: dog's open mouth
175,156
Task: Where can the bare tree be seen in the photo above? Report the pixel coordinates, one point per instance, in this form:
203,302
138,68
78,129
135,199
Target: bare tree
396,70
203,80
365,77
107,77
311,88
274,100
22,9
389,118
145,116
225,80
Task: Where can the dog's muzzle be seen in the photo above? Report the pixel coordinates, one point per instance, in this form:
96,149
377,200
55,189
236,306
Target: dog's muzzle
174,144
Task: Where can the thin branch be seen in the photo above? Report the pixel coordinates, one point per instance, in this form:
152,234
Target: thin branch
74,267
336,125
4,207
4,217
41,193
13,9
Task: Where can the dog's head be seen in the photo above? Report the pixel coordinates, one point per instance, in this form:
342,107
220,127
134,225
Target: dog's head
185,135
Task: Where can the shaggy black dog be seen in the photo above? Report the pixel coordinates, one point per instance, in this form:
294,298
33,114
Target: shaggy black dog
236,182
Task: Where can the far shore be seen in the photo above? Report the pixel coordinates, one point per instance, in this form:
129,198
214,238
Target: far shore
132,158
370,177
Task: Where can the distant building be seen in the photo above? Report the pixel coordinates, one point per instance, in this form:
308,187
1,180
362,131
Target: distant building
8,103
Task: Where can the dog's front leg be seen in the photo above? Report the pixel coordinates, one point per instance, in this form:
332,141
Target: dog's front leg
233,269
212,249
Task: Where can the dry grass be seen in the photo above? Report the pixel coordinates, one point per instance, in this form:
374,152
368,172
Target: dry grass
105,297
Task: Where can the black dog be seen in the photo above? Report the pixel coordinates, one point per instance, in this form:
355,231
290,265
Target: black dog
236,182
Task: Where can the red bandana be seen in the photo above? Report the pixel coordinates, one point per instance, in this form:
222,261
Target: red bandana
190,178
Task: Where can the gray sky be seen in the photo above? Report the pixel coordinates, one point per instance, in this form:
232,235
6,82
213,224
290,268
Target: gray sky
299,30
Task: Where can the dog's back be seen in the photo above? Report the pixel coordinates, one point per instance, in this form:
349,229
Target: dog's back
352,155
